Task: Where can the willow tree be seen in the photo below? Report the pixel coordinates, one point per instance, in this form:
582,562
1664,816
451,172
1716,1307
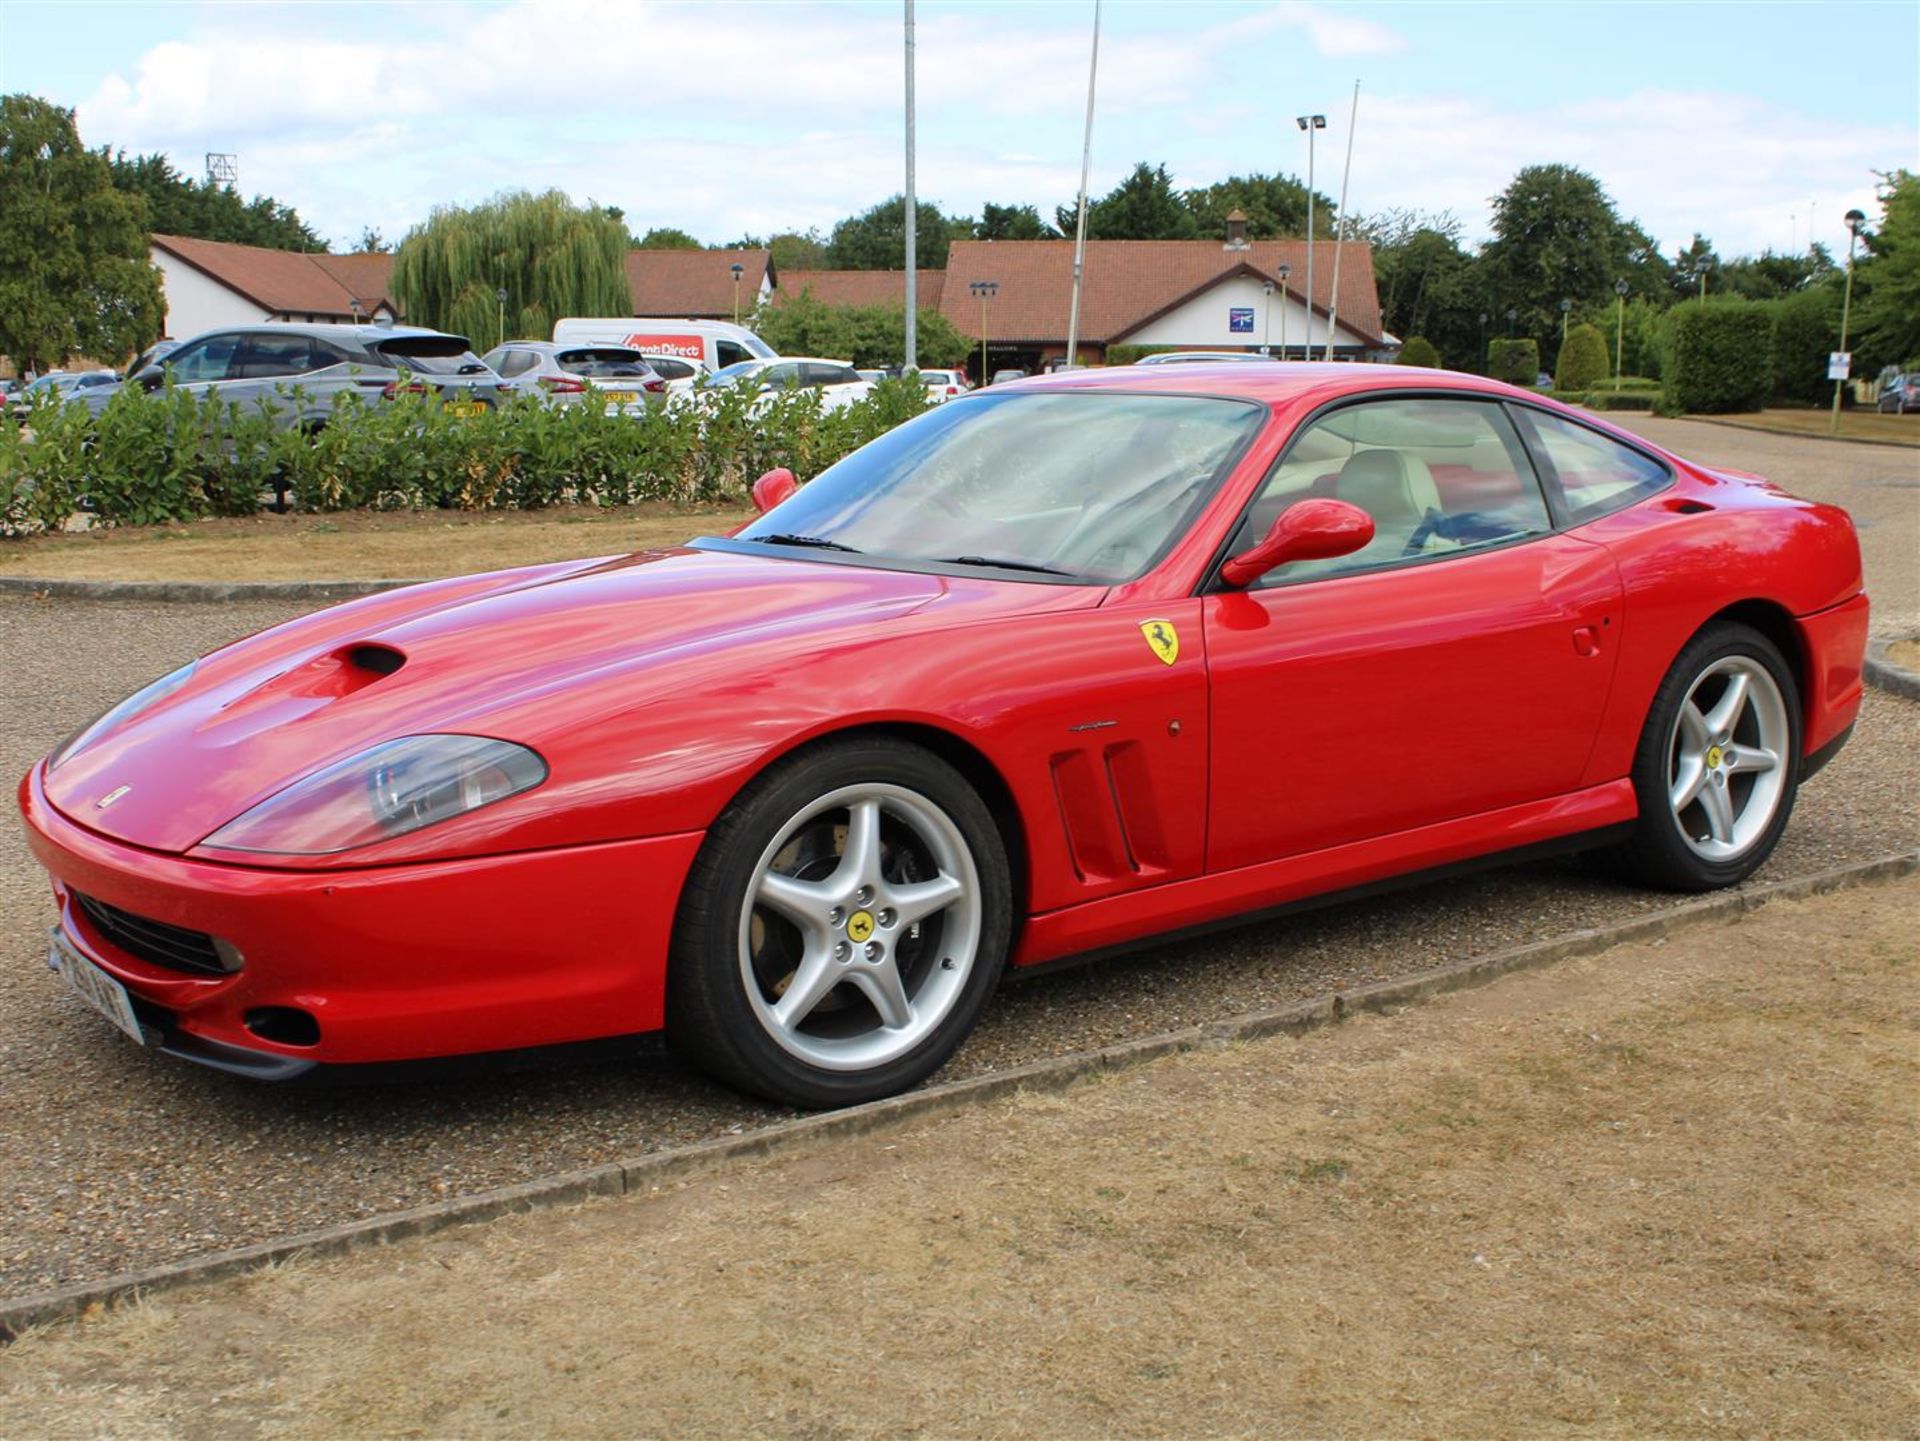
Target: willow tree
550,257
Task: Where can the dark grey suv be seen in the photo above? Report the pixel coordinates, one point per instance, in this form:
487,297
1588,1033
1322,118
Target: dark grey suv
297,371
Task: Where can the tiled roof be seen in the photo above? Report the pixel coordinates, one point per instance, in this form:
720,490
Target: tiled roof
861,287
695,284
289,281
1128,282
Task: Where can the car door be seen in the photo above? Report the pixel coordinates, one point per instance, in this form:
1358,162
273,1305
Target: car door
1457,664
266,374
203,365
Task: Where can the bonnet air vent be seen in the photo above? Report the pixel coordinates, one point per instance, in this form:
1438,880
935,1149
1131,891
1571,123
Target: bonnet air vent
380,660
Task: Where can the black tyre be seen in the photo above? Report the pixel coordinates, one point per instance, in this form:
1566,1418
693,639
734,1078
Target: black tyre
842,927
1718,764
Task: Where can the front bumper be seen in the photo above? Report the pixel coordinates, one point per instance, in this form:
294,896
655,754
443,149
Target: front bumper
395,963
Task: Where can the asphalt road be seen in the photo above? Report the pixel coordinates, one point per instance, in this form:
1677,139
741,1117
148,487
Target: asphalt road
111,1158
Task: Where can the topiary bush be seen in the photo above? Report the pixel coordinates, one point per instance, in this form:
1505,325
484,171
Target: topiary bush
1515,361
1719,356
1621,399
1806,327
1419,351
1584,362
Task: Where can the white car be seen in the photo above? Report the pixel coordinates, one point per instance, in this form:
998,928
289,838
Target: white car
944,385
682,373
838,382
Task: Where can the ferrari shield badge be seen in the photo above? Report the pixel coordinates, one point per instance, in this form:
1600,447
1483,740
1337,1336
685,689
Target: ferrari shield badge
1162,638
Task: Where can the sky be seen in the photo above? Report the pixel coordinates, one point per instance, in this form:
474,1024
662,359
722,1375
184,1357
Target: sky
1749,122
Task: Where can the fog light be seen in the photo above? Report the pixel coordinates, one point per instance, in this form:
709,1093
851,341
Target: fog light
284,1026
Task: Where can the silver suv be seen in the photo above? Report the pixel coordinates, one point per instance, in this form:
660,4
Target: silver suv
296,372
620,376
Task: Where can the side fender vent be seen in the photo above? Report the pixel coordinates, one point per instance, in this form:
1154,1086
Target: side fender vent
381,660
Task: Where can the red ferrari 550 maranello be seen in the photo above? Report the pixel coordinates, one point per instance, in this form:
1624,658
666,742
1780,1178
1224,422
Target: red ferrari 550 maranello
1050,669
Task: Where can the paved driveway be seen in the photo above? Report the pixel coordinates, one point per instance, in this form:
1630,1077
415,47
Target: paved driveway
112,1159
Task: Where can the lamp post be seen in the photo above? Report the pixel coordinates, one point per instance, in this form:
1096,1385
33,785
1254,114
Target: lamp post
1310,123
1620,288
1284,272
1566,309
738,271
1483,342
354,304
983,290
1512,315
500,300
1266,317
1080,221
1854,221
910,358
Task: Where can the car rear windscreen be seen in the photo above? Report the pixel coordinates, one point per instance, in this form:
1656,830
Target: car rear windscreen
431,355
602,362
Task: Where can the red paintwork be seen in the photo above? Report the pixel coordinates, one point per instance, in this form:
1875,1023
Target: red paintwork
1328,734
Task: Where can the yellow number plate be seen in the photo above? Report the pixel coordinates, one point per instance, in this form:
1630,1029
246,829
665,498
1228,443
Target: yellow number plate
466,408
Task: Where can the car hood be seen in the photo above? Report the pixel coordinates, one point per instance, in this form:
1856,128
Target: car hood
519,654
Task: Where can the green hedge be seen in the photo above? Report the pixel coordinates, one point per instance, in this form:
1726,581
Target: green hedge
174,456
1418,350
1806,328
1584,362
1515,361
1719,356
1621,399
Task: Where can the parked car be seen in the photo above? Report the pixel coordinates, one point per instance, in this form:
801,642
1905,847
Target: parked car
1001,377
298,371
872,377
1899,395
65,384
1044,671
838,382
944,385
1183,357
152,355
680,373
618,375
714,343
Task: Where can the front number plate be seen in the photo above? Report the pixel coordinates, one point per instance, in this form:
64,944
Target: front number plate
92,985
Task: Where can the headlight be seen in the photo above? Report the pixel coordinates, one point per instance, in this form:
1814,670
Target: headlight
126,710
394,788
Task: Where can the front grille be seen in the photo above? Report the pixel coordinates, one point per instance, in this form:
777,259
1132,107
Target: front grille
153,941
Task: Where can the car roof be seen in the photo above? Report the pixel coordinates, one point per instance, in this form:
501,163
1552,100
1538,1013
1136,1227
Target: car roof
326,330
1271,384
556,347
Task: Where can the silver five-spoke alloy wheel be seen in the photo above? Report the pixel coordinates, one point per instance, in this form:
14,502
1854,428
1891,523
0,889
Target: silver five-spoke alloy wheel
861,926
1727,771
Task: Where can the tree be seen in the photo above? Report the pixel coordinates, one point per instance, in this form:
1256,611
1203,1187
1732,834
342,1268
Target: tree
1769,276
371,242
876,239
1144,206
868,335
1275,207
798,250
666,237
1689,265
551,257
1584,361
1011,222
74,274
1427,281
1557,236
1886,295
205,211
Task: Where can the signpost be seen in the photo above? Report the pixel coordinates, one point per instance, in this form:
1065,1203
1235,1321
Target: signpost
1839,365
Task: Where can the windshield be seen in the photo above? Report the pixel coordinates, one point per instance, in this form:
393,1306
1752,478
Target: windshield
1091,485
739,370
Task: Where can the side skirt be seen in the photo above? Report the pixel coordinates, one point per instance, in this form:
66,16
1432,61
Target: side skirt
1578,821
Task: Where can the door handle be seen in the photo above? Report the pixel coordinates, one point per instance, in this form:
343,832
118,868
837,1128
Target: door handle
1586,640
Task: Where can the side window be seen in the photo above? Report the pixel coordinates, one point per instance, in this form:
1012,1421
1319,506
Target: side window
784,374
667,368
266,357
1439,477
1594,473
510,362
209,359
832,375
729,352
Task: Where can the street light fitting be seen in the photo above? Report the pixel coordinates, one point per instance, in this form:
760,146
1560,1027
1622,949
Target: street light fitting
1622,289
738,269
984,288
1855,219
501,295
1311,122
1565,306
1285,272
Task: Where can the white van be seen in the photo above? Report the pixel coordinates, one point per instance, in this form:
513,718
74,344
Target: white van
715,343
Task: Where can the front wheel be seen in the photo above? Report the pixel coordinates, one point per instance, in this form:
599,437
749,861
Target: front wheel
1718,764
842,928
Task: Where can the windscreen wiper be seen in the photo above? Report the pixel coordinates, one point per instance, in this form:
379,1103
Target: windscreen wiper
1001,563
814,542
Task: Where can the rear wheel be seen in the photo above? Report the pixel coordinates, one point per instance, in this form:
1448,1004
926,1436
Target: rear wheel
842,928
1718,764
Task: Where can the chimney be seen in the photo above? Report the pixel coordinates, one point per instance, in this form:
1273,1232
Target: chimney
1236,229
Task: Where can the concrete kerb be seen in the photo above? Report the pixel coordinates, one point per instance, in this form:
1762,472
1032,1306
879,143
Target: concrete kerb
194,591
1883,671
1732,424
650,1172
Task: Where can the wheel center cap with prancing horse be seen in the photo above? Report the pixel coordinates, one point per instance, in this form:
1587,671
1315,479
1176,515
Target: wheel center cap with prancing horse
860,926
1714,756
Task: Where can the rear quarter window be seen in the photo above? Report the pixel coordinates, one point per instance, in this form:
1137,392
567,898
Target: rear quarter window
1592,474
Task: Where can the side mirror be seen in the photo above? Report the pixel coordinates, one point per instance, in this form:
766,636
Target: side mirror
776,485
1316,529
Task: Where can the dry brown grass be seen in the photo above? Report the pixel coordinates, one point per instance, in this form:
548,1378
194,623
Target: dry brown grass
1905,653
359,545
1667,1190
1854,424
